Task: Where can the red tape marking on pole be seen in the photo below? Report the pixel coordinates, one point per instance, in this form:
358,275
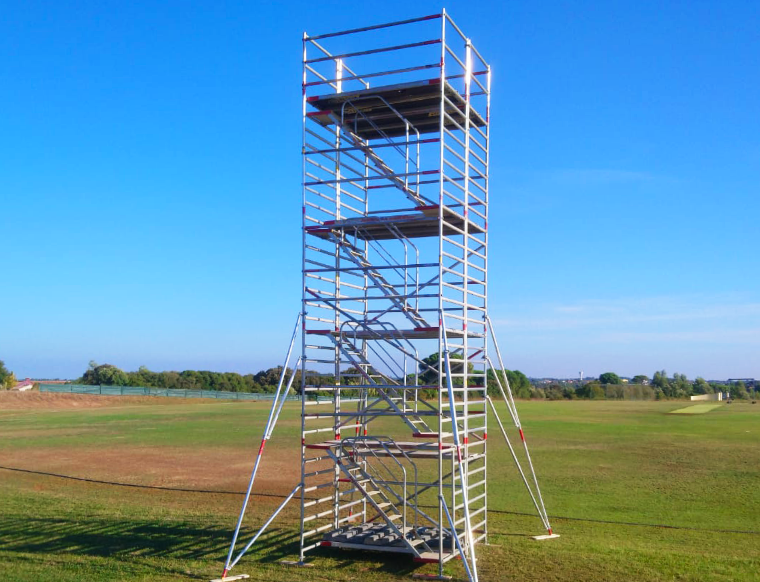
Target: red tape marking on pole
522,436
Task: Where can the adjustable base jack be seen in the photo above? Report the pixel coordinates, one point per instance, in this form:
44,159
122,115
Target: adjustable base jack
229,578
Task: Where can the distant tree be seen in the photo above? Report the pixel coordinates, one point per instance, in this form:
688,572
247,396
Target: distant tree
105,374
4,373
267,379
639,379
166,379
491,382
252,386
517,381
521,386
739,391
554,392
593,391
718,387
660,380
701,386
609,378
615,391
640,392
9,381
681,387
570,392
190,380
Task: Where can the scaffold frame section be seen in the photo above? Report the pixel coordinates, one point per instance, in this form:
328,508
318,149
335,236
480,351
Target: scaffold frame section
394,324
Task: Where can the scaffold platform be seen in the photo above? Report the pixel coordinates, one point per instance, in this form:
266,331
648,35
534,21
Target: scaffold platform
423,223
419,333
382,538
382,112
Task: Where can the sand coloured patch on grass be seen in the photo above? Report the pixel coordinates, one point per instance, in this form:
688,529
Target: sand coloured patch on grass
696,409
61,400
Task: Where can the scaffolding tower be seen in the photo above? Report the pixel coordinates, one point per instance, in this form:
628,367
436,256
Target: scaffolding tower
394,325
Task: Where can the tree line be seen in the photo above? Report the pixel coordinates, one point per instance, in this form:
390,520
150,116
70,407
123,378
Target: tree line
266,380
661,387
110,375
608,386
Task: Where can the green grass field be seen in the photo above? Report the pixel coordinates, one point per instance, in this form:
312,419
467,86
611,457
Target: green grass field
626,462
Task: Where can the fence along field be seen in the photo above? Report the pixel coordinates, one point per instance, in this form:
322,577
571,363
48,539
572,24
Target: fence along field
618,462
168,392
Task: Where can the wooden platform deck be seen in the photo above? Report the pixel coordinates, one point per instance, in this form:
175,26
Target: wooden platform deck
368,114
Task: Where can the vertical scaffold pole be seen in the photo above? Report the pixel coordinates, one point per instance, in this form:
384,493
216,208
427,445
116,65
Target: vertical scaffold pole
441,328
303,286
457,444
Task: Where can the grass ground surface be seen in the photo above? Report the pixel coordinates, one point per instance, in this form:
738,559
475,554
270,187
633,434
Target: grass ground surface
625,462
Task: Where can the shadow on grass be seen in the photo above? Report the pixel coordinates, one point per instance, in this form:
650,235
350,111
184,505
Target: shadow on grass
97,537
282,544
106,538
178,541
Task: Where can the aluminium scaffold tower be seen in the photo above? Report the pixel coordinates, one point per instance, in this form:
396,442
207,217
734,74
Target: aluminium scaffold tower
394,324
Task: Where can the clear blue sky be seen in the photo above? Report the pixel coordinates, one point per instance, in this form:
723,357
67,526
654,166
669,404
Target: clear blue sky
150,212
